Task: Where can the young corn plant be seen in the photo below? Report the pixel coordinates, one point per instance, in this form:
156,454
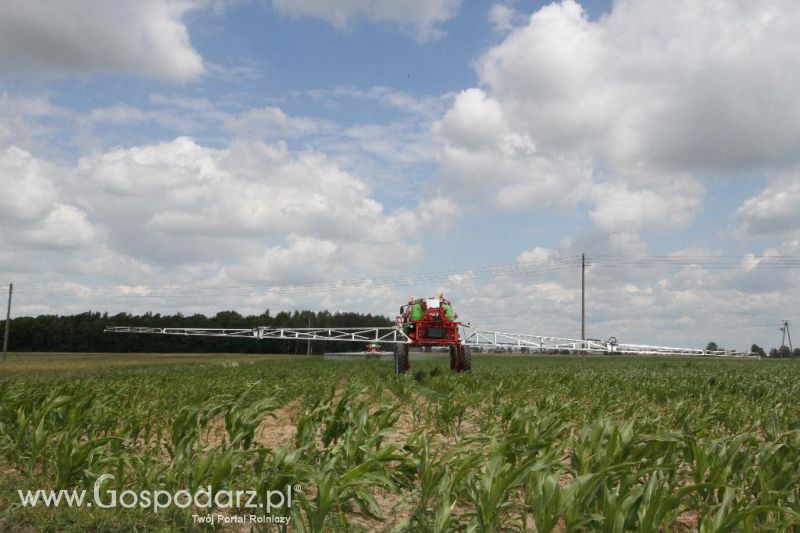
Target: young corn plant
338,491
544,499
661,503
76,459
435,480
241,421
493,489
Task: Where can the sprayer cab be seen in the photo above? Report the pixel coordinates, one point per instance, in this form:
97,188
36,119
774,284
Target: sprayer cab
429,322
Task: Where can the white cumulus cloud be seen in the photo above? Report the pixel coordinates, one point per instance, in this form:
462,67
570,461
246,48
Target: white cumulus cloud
144,37
699,85
619,208
610,111
258,211
484,153
775,211
31,211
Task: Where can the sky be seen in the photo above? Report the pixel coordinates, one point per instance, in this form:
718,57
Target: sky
203,155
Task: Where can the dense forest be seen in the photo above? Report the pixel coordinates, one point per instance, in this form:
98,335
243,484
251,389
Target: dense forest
84,332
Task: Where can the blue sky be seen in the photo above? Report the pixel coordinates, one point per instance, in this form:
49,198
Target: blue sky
149,148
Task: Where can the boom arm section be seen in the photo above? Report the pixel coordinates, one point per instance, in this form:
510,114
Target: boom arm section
387,334
394,335
534,342
200,332
549,344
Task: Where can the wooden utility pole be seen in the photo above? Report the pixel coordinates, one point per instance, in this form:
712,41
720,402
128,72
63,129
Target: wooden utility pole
583,297
8,321
583,304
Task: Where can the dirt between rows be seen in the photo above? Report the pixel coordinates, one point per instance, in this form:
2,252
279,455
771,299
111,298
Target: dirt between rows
280,430
396,508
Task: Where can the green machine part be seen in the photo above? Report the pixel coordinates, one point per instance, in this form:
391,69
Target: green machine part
416,310
448,311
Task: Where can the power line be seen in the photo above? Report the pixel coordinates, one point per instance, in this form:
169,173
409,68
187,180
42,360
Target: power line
519,269
516,269
704,261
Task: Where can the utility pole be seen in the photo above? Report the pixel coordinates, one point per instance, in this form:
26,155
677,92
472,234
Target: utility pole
583,297
786,335
8,320
583,303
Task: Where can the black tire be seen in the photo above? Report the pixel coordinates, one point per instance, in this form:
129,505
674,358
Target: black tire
466,359
401,364
453,358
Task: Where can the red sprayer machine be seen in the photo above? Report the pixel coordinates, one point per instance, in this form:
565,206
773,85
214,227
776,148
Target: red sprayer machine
431,322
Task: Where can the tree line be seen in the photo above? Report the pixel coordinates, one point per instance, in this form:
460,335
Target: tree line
783,351
84,332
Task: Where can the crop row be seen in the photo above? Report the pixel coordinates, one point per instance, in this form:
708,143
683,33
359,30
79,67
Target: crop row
519,444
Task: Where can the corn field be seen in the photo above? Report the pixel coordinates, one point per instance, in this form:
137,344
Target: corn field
520,444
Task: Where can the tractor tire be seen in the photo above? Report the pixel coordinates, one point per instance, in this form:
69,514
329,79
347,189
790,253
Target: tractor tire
401,363
453,358
466,359
463,359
